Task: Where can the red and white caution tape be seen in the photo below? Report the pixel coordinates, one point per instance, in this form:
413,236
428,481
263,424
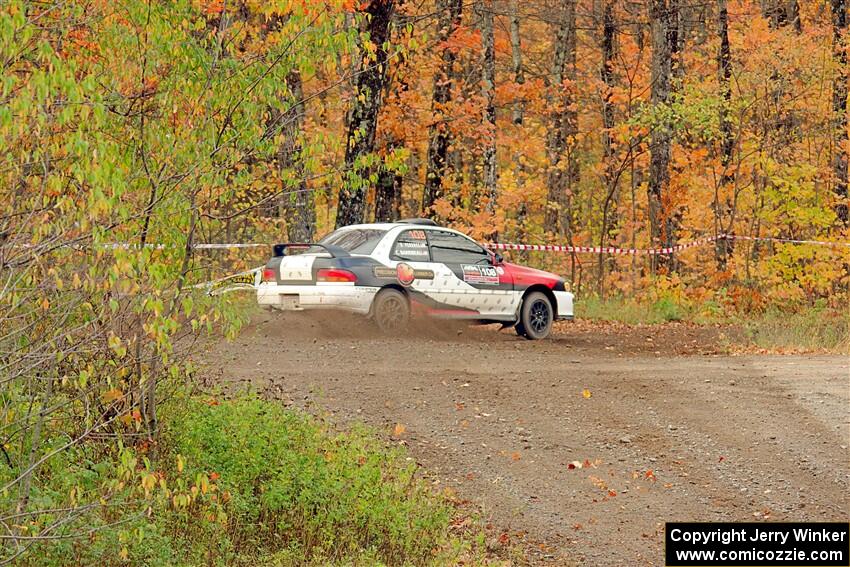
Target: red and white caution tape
650,251
530,247
786,240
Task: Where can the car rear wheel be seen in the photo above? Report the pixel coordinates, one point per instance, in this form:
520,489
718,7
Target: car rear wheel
391,311
536,316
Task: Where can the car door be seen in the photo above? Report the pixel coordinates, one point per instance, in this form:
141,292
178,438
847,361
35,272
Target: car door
468,277
411,266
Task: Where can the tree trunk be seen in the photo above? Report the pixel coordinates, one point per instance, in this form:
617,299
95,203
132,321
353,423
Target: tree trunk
664,25
794,16
518,114
388,187
609,212
439,137
727,138
780,13
299,207
387,195
775,12
488,93
839,107
516,61
562,175
360,141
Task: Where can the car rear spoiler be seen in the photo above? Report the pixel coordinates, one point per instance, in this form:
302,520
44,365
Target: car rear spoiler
334,251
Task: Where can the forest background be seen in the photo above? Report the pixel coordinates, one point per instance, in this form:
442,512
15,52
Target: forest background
131,131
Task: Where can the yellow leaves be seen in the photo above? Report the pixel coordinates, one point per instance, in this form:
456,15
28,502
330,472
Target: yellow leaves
203,483
149,482
116,344
112,395
180,463
586,394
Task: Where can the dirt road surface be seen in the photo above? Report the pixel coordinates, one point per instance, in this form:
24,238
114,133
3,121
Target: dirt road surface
587,442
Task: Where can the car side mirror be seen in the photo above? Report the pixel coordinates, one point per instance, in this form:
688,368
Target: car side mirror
497,259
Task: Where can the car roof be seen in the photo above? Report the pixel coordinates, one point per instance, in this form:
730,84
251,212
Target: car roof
398,224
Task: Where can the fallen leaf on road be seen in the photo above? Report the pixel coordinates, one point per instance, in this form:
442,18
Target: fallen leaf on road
586,393
611,494
574,465
598,482
399,430
515,456
721,459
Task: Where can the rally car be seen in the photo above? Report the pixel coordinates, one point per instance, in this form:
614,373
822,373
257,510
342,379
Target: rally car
391,271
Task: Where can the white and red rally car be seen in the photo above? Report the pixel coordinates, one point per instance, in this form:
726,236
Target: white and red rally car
389,271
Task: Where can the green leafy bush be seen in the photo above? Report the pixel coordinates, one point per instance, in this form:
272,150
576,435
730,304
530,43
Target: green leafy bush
247,482
667,309
290,488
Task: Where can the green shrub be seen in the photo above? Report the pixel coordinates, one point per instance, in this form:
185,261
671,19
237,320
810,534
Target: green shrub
247,482
292,490
667,309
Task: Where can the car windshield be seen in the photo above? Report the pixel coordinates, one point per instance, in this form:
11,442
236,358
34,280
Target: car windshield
353,240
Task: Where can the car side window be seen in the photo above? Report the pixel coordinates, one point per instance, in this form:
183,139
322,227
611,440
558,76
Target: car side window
451,248
411,245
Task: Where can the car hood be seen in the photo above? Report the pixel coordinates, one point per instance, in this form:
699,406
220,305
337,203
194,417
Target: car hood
525,276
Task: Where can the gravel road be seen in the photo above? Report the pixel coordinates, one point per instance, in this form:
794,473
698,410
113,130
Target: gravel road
587,442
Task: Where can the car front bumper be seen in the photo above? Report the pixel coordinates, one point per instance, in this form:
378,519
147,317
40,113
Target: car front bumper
347,297
564,299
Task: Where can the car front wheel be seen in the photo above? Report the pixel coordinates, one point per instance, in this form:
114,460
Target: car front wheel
536,316
391,311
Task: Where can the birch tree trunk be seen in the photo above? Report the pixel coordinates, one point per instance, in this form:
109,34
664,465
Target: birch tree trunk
299,206
518,113
516,61
366,104
727,139
488,93
606,72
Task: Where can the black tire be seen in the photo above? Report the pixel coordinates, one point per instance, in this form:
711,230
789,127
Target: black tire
535,317
520,330
391,311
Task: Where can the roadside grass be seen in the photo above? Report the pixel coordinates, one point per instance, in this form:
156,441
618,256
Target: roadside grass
246,482
628,311
298,492
810,329
806,328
